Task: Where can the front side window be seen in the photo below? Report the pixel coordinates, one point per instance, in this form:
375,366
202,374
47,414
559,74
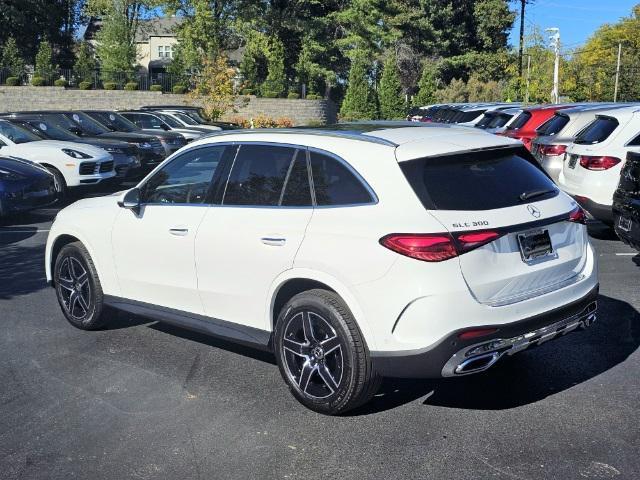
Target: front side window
335,184
259,174
188,178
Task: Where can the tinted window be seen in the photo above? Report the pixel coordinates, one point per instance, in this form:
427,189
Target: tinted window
477,181
499,120
520,121
335,184
597,131
114,120
87,123
635,142
297,191
17,134
187,179
469,116
258,175
553,125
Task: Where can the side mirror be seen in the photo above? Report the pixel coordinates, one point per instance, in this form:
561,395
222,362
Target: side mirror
131,200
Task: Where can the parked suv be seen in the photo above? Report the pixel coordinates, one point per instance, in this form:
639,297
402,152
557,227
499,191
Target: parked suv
592,163
524,126
451,250
626,202
152,120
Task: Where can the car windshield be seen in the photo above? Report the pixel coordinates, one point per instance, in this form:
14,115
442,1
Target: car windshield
172,122
48,129
17,134
196,116
118,121
88,124
185,118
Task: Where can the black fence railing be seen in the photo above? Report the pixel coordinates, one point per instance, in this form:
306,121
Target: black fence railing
98,78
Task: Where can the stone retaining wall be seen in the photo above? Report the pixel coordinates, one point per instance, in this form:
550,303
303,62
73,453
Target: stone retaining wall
301,112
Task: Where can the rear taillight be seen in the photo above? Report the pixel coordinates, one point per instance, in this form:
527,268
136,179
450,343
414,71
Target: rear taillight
479,332
437,247
598,163
552,150
578,216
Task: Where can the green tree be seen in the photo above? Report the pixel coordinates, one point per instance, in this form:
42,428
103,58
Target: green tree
392,103
254,65
427,86
360,100
276,82
310,70
455,92
44,61
85,64
214,86
11,58
115,44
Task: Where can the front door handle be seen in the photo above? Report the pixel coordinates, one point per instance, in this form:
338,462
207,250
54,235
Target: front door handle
273,241
179,232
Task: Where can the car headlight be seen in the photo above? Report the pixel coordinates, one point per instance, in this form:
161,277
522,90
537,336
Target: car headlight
75,153
7,175
144,145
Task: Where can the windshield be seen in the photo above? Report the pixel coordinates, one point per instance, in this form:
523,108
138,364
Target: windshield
47,129
116,120
172,122
88,124
185,118
196,116
17,134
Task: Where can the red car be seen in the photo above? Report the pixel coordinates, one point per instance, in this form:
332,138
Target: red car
524,127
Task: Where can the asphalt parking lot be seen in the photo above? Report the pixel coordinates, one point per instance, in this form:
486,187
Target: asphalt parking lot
146,400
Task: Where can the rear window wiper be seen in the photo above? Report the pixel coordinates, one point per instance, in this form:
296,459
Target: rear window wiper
535,193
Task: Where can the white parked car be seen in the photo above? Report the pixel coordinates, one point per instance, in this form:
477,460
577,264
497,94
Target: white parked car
591,165
72,164
160,121
187,122
379,251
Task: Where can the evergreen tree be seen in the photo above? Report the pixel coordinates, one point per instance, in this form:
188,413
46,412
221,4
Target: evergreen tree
275,84
360,101
427,86
11,58
254,65
392,103
115,46
85,65
44,61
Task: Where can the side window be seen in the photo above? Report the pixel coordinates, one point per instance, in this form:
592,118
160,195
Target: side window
137,119
258,175
297,191
335,184
635,142
188,178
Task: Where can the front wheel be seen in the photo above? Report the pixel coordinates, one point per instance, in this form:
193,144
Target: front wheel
322,355
59,183
78,287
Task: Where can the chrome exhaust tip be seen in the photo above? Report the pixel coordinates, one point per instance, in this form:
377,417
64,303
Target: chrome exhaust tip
478,364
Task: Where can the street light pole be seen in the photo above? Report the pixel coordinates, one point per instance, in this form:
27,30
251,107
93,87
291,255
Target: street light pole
555,44
615,91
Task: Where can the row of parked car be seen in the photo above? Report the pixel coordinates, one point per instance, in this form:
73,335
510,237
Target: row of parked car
591,150
45,153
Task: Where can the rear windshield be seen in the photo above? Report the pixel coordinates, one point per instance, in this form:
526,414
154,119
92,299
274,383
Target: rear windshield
553,125
520,121
469,116
499,120
485,121
597,131
479,180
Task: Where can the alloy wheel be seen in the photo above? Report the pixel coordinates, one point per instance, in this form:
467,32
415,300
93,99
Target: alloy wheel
313,356
75,288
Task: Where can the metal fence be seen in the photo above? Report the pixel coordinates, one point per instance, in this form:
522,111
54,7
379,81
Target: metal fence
98,78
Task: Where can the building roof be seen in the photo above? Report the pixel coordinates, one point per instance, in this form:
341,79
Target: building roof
157,27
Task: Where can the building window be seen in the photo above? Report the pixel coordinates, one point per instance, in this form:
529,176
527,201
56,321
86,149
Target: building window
165,51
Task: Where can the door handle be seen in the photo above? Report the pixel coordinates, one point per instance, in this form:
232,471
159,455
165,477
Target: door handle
274,242
179,232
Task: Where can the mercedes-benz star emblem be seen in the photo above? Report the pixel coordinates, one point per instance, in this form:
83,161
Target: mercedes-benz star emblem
534,211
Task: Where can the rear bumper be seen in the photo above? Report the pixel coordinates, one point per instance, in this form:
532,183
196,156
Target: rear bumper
604,213
444,358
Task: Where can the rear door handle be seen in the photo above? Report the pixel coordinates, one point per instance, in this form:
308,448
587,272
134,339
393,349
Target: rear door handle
179,232
274,241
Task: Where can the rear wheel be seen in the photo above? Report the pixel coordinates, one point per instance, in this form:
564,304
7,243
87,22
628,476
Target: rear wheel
78,287
322,355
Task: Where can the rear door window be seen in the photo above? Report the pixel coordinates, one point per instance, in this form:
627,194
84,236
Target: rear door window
597,131
335,184
478,181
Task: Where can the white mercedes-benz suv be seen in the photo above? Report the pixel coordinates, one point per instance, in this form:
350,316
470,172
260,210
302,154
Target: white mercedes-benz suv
367,251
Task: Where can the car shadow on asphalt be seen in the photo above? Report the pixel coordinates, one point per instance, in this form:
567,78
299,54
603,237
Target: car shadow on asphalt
529,376
601,231
21,269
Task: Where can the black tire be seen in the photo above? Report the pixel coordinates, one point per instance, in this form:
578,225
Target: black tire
329,370
78,287
60,182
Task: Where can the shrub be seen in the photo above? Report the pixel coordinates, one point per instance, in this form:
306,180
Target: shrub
269,94
243,122
284,122
37,81
131,86
109,85
155,88
179,89
313,96
247,91
61,82
85,85
293,95
13,81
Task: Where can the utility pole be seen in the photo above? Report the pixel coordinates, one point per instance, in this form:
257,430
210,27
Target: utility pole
615,91
555,44
526,92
